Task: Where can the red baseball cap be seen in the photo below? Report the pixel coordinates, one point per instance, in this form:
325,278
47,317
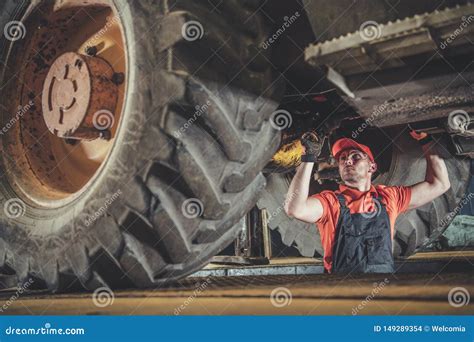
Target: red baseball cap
346,143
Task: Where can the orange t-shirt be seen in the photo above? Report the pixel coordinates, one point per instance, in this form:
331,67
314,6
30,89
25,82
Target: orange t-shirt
395,198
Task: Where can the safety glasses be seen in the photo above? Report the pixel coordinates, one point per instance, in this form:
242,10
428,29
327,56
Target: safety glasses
353,155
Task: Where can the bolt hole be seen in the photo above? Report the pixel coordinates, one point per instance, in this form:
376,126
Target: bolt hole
61,116
66,71
78,64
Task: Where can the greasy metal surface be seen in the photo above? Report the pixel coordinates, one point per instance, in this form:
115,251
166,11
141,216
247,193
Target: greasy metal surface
402,71
307,295
415,100
419,292
390,43
419,263
350,14
75,88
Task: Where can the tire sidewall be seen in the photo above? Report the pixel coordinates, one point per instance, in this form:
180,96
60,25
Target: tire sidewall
52,231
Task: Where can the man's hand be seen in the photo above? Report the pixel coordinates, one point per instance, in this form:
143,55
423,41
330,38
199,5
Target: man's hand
312,146
422,137
418,135
436,178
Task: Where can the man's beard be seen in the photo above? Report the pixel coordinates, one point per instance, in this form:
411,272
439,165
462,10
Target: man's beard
351,177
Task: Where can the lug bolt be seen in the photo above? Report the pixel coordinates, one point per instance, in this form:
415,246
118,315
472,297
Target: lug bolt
118,78
106,135
71,142
91,51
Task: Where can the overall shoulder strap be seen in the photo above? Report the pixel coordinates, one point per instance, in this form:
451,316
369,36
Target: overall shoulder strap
341,199
383,208
377,197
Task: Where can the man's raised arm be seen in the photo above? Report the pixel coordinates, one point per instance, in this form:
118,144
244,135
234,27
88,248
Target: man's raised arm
297,203
436,180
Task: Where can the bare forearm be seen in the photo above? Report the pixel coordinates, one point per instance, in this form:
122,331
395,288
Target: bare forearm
436,180
299,188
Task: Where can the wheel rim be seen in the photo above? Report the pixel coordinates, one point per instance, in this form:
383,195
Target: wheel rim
45,165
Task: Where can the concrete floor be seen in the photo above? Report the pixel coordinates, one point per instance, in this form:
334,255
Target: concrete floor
405,293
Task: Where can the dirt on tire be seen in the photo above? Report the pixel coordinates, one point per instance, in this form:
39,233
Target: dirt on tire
186,164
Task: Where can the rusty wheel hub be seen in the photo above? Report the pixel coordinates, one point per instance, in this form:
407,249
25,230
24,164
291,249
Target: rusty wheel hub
79,97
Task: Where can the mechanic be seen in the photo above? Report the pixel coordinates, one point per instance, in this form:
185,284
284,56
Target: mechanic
356,223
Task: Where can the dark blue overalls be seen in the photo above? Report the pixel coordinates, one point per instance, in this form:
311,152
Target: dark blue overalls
363,241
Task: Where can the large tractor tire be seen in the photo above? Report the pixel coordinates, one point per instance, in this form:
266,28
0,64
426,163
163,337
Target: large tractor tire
413,230
294,233
192,133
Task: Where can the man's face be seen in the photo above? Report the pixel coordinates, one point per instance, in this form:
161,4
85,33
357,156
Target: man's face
355,166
